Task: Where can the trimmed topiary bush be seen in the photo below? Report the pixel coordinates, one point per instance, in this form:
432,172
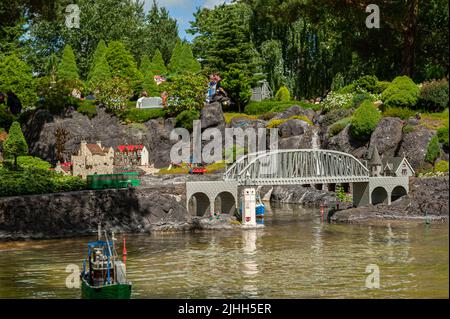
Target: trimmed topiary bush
434,95
433,150
337,127
87,108
185,119
364,121
283,94
402,92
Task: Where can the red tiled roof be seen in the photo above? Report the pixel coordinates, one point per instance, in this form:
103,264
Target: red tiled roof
68,164
129,148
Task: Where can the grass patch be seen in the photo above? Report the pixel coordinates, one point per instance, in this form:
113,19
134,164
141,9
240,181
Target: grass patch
230,116
141,115
266,106
276,123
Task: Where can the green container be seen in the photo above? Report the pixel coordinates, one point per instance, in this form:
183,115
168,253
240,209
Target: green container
122,180
114,291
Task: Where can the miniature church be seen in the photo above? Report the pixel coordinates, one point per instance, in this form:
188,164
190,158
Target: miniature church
391,166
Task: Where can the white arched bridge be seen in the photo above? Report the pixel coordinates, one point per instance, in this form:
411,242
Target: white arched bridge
293,167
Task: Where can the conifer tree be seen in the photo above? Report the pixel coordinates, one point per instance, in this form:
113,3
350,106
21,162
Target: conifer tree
100,70
67,68
157,65
122,63
15,144
148,84
183,60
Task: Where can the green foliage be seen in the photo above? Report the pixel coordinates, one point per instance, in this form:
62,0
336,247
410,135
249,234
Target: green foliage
434,95
114,94
57,95
87,108
433,150
441,167
361,97
283,94
367,83
237,86
442,134
15,144
408,129
16,76
6,118
134,115
381,86
182,60
149,85
337,101
271,106
401,112
99,71
341,196
338,82
337,127
402,92
364,121
34,177
185,91
122,63
278,122
67,68
273,63
158,66
185,119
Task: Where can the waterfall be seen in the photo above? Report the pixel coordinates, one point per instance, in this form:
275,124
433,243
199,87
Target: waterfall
315,143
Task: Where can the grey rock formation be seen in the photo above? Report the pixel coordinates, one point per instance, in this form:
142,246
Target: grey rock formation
415,144
387,136
344,142
292,127
212,116
428,196
296,110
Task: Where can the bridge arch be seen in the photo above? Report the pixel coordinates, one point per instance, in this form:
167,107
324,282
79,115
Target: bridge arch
380,196
397,192
199,204
225,203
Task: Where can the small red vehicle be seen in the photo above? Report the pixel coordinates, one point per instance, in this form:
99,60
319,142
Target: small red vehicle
198,171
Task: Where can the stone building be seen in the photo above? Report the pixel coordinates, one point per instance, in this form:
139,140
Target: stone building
131,155
64,168
93,159
390,166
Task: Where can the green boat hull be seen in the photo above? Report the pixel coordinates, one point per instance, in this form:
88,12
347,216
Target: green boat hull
115,291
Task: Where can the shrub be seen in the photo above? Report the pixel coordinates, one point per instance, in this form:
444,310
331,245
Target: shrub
283,94
31,162
337,127
335,115
441,166
401,112
381,86
338,100
402,92
185,119
408,129
6,118
141,115
361,97
433,150
15,144
87,108
237,86
442,134
364,121
434,95
338,82
367,83
114,94
185,91
56,96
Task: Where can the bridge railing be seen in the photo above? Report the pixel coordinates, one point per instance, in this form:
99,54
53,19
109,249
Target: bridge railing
297,166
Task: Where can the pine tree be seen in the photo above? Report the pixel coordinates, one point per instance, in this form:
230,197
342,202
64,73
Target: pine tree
148,84
67,68
157,65
100,70
183,60
121,62
15,144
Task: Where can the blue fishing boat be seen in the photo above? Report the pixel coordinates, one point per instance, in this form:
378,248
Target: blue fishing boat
104,275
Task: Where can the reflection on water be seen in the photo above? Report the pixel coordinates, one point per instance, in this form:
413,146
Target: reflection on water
294,256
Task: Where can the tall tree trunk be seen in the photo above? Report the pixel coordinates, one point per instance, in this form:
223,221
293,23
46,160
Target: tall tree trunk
409,37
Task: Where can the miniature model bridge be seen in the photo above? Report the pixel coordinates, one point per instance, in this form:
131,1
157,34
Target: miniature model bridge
300,166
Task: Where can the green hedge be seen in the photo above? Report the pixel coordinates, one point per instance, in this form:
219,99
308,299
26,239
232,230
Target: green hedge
34,177
442,134
283,94
402,92
185,119
141,115
87,108
364,121
434,95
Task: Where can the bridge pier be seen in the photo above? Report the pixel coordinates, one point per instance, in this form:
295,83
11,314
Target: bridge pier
361,194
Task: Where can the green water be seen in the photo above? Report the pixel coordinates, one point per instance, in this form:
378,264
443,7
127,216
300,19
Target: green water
295,256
